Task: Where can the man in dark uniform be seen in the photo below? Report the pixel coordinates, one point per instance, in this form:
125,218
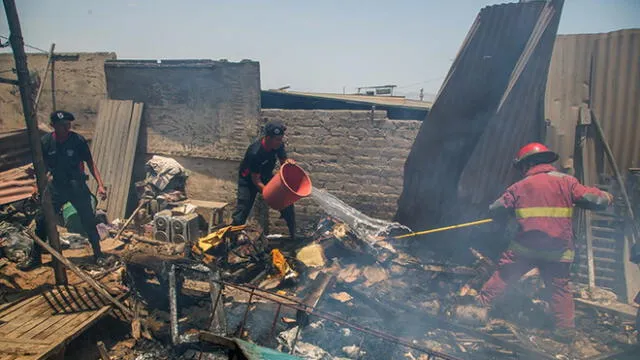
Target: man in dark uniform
256,170
65,152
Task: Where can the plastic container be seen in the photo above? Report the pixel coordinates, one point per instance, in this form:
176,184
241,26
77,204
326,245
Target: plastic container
289,185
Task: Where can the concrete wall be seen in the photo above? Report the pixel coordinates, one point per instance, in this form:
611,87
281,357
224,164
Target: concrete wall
356,155
200,108
79,87
202,113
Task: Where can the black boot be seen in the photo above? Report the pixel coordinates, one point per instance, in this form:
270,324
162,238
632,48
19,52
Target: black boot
289,215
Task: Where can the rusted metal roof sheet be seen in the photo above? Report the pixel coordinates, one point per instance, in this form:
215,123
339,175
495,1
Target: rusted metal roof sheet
17,184
601,71
491,102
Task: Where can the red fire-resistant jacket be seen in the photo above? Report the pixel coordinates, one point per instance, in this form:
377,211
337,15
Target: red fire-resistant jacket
543,203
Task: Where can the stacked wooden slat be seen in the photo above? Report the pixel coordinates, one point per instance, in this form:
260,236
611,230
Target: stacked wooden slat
114,148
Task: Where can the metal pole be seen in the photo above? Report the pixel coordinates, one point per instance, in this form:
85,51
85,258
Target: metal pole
17,45
173,306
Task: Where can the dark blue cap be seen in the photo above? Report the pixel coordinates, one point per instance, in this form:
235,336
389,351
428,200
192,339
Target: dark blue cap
274,128
61,116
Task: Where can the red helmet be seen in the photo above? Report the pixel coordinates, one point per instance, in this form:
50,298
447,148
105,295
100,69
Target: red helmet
535,153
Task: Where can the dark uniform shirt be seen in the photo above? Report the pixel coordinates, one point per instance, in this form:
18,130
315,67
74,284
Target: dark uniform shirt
65,160
257,160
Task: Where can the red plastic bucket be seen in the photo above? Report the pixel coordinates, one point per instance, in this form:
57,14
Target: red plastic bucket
288,186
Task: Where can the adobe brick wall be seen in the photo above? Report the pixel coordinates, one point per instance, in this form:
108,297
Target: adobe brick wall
80,85
356,155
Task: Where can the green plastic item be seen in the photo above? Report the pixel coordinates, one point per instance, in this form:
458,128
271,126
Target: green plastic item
72,219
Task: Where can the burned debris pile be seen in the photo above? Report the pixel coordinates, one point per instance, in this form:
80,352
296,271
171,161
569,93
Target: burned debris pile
332,295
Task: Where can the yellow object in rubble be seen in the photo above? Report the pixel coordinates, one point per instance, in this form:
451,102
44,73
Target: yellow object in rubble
279,262
216,238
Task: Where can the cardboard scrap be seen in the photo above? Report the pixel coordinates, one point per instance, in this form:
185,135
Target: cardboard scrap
374,274
312,256
342,296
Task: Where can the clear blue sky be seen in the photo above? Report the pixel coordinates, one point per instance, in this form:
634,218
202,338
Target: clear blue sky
310,45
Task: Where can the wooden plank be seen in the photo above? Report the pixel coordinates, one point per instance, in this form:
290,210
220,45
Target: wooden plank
121,121
626,311
35,308
31,318
129,157
124,119
108,156
76,330
57,332
102,156
96,143
18,305
11,348
52,324
24,341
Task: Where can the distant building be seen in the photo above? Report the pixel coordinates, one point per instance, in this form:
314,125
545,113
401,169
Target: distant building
397,107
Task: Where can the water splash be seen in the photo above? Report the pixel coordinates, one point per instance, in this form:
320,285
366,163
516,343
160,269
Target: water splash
367,228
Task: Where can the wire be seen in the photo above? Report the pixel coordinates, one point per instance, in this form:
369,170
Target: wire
27,45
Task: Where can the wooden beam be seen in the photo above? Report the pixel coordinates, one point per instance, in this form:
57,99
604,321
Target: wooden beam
126,223
42,82
9,81
17,45
104,355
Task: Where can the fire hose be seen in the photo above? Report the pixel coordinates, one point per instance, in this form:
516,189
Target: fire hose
451,227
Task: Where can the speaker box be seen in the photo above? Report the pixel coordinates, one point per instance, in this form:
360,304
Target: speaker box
184,229
162,226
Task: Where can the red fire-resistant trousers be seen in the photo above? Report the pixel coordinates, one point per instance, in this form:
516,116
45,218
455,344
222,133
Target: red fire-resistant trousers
554,274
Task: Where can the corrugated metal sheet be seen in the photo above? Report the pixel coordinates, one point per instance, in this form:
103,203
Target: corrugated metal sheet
490,103
601,71
17,184
14,149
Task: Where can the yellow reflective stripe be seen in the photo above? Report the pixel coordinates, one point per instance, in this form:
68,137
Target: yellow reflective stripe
548,255
555,212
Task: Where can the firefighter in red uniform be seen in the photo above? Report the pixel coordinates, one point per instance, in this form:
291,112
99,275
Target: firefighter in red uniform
543,204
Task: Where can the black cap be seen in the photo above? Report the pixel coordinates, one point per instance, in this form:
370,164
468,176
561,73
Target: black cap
61,116
274,128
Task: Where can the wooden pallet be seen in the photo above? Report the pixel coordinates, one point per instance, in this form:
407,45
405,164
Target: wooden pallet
41,325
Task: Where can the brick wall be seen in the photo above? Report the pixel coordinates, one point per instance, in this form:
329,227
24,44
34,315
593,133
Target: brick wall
356,155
